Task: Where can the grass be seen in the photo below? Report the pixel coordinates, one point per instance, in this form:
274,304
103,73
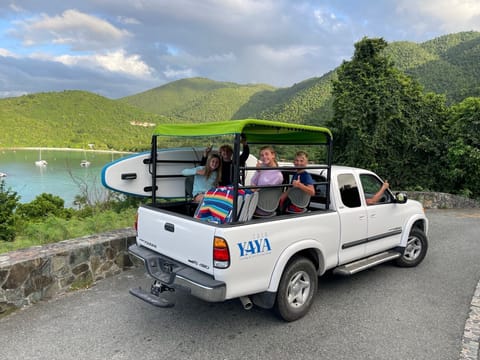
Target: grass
53,229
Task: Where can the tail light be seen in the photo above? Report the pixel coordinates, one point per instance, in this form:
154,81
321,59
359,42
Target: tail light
135,225
221,254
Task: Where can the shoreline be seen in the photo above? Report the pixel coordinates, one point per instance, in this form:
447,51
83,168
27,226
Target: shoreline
65,149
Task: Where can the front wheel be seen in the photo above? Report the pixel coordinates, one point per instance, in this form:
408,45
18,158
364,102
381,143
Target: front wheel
415,250
297,287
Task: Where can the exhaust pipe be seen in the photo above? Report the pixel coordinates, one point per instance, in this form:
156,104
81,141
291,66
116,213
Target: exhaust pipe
246,302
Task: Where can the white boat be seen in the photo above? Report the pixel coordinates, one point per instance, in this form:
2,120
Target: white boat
2,174
40,162
85,162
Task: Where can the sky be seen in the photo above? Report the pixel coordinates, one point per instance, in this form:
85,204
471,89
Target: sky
117,48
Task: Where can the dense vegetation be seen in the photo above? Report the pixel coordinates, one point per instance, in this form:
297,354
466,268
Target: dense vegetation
8,203
383,120
45,219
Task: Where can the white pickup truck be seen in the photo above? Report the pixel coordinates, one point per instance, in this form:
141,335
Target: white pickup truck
274,262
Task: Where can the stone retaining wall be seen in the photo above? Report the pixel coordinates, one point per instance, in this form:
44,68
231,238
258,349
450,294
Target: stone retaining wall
29,275
432,200
40,272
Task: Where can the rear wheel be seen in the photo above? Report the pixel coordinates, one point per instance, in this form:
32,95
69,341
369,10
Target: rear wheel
415,250
297,287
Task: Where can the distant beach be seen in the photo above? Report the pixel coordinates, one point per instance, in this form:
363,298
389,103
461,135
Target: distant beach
66,149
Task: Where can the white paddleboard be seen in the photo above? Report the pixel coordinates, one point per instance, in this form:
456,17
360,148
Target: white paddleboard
132,175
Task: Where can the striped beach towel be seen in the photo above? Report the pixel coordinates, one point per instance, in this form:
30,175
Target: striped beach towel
217,205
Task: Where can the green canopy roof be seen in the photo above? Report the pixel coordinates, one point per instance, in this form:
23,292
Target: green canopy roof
256,131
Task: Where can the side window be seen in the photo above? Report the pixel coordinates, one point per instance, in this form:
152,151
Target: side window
348,190
371,184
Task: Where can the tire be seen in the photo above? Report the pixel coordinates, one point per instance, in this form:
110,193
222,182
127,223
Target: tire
415,250
297,287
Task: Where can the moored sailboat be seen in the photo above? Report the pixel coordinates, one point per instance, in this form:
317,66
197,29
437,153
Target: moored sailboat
40,162
85,162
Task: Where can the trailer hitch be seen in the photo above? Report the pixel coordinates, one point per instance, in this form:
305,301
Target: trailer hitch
157,288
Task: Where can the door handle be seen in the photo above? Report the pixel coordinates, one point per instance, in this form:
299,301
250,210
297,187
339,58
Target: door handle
169,227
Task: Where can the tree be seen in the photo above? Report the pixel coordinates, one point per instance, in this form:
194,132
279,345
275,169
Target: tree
42,206
385,122
464,147
9,200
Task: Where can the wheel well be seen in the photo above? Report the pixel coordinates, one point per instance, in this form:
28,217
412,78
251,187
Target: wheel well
313,255
419,224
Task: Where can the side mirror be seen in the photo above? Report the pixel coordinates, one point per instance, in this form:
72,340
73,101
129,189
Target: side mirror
401,198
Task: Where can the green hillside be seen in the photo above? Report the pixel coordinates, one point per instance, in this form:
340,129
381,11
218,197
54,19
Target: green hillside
73,119
407,55
196,99
308,102
446,65
220,104
199,99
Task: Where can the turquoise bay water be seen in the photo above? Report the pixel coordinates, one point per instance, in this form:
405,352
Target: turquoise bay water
63,175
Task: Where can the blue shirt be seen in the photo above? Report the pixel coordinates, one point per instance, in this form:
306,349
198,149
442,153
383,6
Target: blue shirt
305,178
200,183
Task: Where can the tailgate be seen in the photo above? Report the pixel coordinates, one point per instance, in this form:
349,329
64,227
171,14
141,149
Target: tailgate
180,238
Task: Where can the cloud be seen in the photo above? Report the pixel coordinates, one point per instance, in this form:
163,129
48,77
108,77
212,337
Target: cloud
128,20
284,55
115,47
175,74
5,53
37,74
116,61
15,7
79,31
448,15
328,20
94,43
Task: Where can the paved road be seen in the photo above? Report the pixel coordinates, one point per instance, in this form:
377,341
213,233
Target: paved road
382,313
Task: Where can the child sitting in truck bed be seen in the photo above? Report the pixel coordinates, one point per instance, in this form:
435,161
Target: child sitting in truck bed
206,177
296,198
267,197
267,177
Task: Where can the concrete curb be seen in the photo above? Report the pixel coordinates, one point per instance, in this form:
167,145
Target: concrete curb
471,334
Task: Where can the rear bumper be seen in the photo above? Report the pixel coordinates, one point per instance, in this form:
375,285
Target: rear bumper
180,276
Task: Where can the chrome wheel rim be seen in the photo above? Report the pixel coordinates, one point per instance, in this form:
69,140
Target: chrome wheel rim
413,249
298,289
